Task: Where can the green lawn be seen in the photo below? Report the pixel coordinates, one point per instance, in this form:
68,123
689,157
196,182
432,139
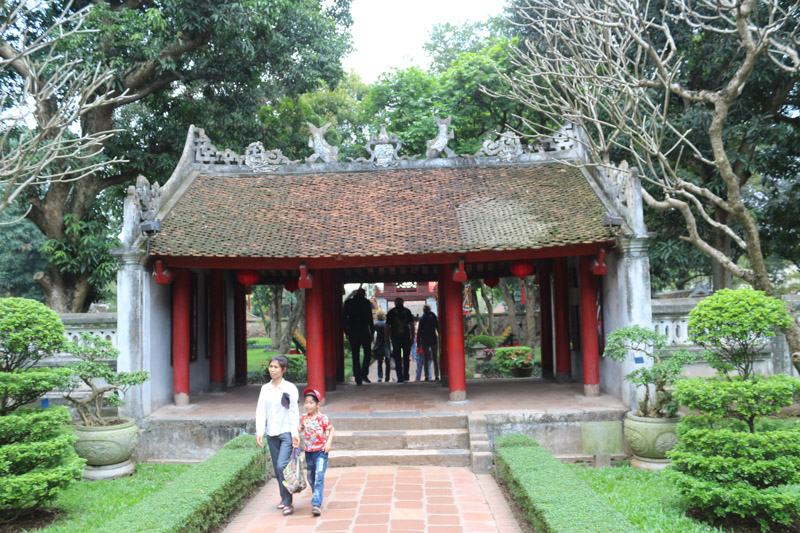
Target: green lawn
645,498
257,356
89,504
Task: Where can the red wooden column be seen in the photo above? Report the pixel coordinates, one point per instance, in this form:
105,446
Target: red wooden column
315,324
546,317
561,317
240,329
329,340
181,331
591,351
216,307
456,365
444,272
337,333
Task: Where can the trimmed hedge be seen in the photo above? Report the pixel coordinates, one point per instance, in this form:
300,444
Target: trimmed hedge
203,496
552,497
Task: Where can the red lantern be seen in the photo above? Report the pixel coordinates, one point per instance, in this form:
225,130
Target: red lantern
291,285
247,277
522,269
491,281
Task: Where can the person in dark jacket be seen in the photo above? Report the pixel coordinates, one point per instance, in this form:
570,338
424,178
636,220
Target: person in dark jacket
400,329
428,339
358,326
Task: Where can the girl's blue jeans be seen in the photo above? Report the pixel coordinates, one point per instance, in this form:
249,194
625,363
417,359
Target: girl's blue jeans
316,463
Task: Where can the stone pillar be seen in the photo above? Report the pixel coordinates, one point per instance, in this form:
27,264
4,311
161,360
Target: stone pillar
456,367
561,317
589,342
133,326
546,318
634,267
181,340
240,335
315,334
217,334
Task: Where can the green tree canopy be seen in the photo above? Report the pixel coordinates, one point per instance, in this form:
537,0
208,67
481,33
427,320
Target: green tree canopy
176,62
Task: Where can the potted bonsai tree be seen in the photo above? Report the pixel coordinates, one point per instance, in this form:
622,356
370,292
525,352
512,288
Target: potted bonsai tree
650,430
106,442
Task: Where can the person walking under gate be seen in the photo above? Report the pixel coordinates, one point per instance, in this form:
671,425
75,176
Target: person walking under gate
358,326
428,339
380,350
400,329
278,413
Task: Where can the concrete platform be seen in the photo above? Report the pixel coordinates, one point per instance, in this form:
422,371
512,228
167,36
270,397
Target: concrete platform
551,413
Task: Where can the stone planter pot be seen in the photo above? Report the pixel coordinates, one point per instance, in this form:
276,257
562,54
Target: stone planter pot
522,372
650,439
107,449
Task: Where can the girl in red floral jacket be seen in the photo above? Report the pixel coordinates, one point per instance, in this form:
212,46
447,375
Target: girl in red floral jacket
317,437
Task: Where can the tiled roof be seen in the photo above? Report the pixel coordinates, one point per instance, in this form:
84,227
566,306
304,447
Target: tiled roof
383,212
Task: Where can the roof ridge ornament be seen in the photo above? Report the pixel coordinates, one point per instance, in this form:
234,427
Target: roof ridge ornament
562,139
257,159
206,153
322,150
383,150
507,147
438,144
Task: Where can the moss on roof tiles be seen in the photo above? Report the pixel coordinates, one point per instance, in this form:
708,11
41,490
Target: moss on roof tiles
384,212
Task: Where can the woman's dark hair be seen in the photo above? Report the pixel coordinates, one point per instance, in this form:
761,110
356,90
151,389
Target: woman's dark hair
281,360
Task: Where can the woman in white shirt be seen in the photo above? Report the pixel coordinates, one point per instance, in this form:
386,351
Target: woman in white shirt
278,413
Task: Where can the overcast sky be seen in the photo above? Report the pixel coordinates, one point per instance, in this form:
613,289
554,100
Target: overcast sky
389,34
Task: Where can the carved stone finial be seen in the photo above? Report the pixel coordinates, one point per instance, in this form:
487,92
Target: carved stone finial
438,144
619,177
149,198
322,150
383,149
260,160
507,147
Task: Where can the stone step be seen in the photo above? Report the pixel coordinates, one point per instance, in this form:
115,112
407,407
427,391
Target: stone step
482,462
410,439
480,445
444,457
397,420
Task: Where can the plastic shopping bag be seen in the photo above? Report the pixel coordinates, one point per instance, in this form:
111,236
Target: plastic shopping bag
294,475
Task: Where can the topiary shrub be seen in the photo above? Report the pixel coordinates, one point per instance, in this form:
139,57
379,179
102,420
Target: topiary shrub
734,325
487,340
37,457
724,465
29,332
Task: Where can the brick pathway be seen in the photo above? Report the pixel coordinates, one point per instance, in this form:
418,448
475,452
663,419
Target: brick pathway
380,499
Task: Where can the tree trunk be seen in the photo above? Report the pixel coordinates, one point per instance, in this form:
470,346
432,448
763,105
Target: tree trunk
298,312
531,324
476,308
508,298
720,275
275,309
64,293
485,292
